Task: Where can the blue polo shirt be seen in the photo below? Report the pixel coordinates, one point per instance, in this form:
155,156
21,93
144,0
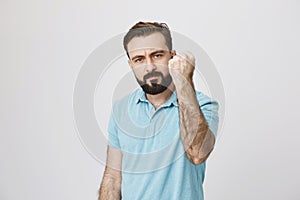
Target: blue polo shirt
154,164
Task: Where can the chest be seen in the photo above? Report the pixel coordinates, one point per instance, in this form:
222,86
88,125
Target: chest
145,130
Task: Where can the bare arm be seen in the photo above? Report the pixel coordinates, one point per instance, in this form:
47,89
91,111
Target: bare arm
110,188
197,138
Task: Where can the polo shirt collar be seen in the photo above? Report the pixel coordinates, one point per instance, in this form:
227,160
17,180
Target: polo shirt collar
141,97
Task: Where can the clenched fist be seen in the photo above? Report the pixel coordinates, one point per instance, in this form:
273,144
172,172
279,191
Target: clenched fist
181,68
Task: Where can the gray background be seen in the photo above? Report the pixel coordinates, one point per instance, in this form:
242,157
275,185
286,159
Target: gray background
254,45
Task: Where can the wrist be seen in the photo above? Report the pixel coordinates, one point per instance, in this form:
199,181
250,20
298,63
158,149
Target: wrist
184,84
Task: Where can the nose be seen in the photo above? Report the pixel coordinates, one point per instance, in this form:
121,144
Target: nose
150,65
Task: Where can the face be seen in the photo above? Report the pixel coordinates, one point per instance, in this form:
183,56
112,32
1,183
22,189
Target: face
148,58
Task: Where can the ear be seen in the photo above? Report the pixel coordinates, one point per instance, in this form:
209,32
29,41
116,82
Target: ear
173,53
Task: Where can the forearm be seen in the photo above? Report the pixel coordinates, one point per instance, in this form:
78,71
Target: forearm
196,136
110,188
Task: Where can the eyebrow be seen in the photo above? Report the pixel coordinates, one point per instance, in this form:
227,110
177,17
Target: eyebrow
152,53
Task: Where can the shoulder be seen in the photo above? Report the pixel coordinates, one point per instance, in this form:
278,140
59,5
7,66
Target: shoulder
203,99
209,108
128,100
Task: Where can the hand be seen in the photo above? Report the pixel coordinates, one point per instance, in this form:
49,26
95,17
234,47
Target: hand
181,68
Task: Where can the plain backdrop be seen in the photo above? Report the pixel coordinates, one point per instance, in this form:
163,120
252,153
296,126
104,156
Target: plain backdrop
253,43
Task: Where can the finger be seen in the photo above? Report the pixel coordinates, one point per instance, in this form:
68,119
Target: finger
190,57
187,56
180,54
174,63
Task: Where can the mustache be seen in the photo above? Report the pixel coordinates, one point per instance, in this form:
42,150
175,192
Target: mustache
152,74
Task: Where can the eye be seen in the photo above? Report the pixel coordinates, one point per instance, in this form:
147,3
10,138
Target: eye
137,60
158,55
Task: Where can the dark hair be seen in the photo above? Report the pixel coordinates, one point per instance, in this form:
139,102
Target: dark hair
145,29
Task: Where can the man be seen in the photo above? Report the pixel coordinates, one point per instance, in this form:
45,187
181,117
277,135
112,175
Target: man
161,135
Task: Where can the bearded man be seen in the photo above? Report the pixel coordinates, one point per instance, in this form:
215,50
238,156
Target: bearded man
161,134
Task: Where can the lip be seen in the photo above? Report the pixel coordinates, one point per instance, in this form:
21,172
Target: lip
149,80
152,78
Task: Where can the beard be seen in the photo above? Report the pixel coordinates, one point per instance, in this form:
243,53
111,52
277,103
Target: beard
155,88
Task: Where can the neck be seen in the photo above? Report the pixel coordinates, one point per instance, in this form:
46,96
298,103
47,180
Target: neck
159,99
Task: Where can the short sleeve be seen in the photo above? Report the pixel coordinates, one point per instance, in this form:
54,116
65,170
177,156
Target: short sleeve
209,108
113,139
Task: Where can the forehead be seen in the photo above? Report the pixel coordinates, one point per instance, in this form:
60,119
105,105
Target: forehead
154,41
